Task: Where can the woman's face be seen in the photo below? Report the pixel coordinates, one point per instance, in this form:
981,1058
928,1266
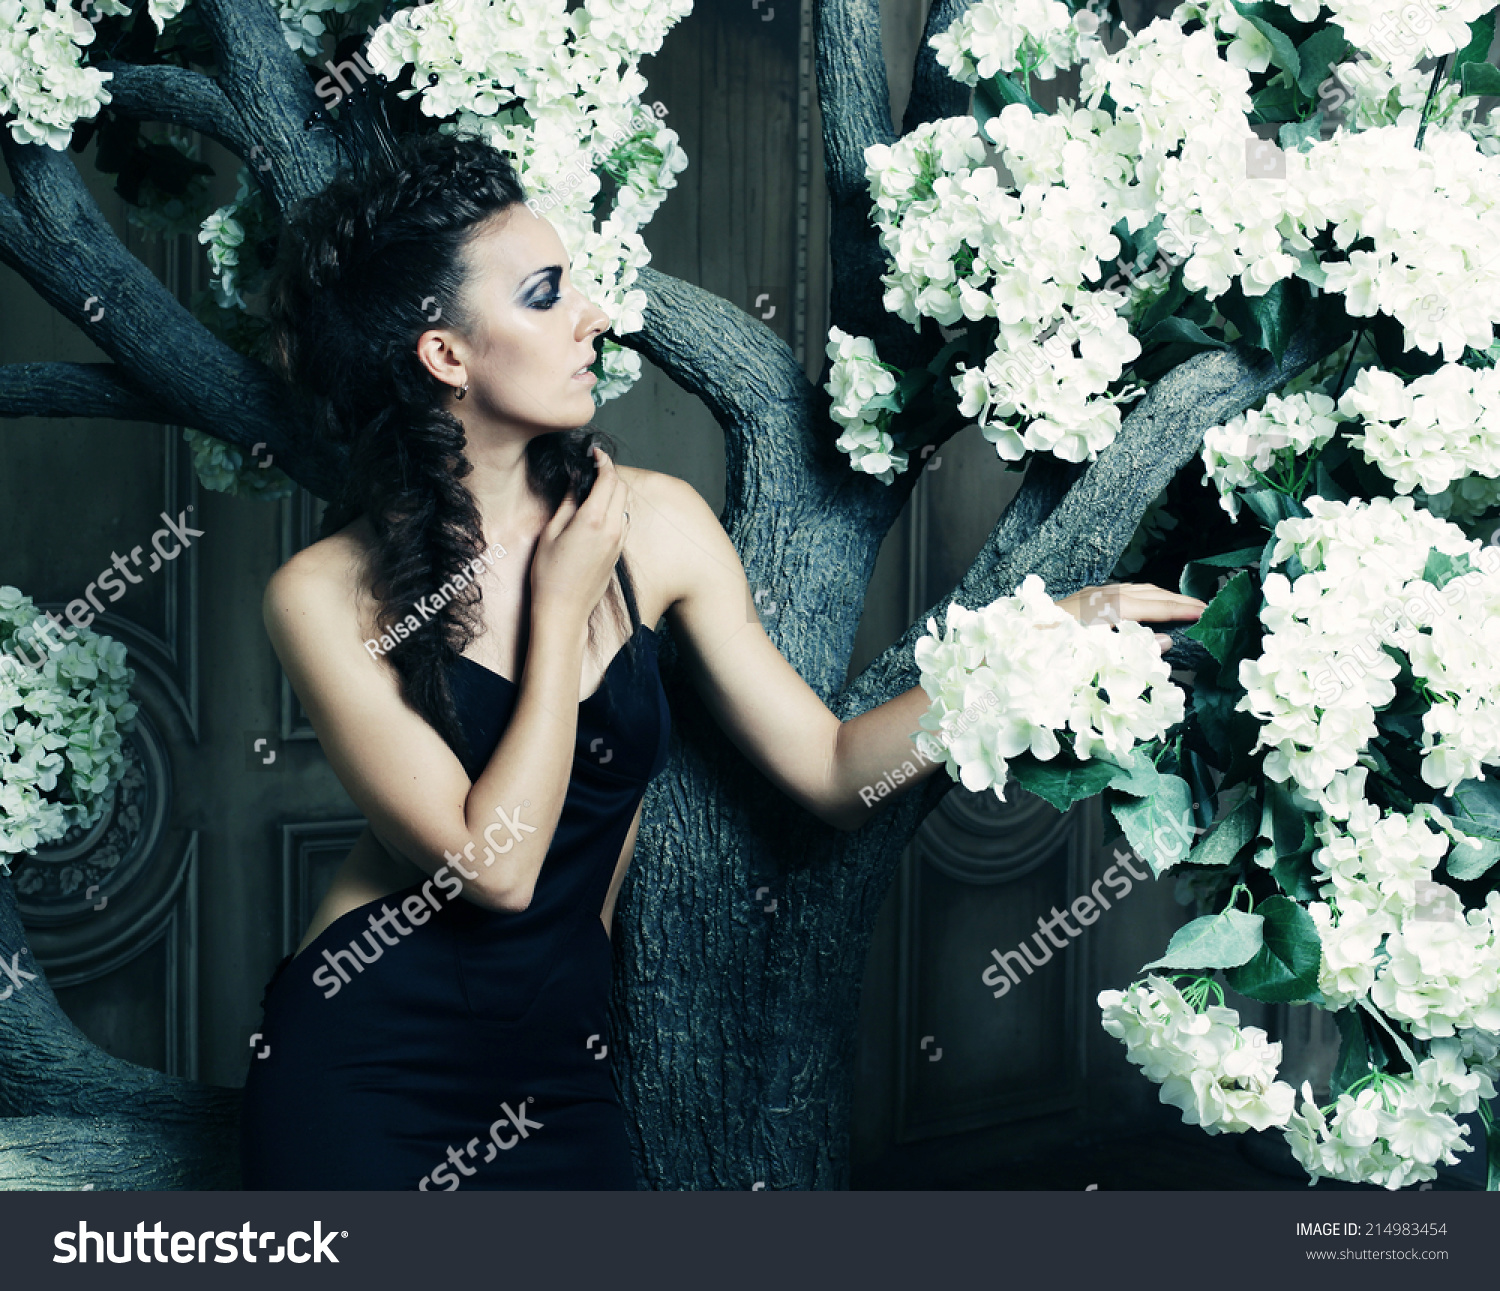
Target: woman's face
532,331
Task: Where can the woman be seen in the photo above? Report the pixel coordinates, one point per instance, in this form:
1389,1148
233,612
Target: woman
495,717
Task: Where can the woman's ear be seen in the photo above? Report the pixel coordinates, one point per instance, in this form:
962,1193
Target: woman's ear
437,352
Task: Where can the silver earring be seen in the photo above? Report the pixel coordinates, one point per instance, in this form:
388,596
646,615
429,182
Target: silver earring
462,390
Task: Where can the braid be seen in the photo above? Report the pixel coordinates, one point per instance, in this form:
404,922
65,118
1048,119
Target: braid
365,263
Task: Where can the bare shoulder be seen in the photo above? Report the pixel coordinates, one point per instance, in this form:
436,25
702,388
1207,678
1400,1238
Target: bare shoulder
673,531
325,584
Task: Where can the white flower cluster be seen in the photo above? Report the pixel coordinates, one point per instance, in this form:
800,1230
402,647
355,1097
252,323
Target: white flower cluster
1324,670
302,20
1385,28
1433,432
60,727
576,74
1376,874
1249,445
961,247
992,36
1247,49
1442,975
1428,268
223,235
47,90
1370,94
1394,1130
1222,1075
1049,672
856,379
43,87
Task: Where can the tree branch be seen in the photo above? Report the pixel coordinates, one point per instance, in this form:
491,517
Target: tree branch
935,94
270,92
75,262
176,96
73,390
854,100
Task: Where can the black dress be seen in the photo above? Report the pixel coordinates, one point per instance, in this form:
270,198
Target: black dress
421,1041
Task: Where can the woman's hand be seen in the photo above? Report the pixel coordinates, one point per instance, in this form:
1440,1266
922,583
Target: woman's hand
577,551
1134,602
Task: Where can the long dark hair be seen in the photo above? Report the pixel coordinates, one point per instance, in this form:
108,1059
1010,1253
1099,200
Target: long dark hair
362,268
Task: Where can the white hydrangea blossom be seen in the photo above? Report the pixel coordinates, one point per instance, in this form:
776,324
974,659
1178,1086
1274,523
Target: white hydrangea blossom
1429,269
1222,1075
1393,1130
1249,445
43,86
1368,94
62,715
1247,49
1441,975
301,20
998,36
1433,432
856,379
1049,673
1323,671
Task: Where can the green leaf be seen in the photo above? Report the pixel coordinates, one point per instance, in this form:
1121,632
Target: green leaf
1277,102
1319,54
1442,569
1299,136
1216,941
1062,786
1227,627
1309,267
1271,508
1228,838
1159,828
1137,775
1472,858
1283,52
1231,559
1225,727
1291,827
1355,1059
1166,305
1286,967
1480,78
1180,329
911,384
992,96
1297,876
1327,486
1481,37
1474,807
1275,315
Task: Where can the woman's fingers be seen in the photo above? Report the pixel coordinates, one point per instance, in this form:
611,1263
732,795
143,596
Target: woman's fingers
1145,602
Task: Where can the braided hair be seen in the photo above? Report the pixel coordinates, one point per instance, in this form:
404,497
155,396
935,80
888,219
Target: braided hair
360,267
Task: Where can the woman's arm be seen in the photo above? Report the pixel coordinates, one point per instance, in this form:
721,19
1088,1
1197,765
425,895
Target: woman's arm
401,773
492,834
776,719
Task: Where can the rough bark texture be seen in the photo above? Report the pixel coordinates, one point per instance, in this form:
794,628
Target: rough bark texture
744,923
